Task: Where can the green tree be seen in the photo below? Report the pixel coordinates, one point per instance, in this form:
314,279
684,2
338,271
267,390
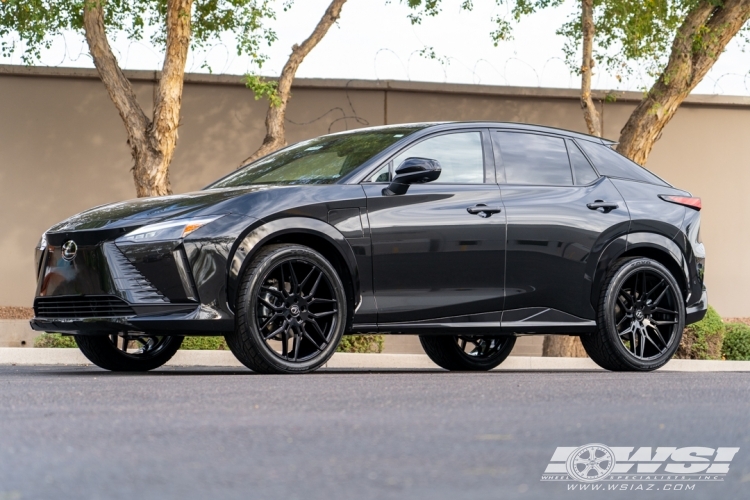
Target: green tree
676,41
279,92
173,25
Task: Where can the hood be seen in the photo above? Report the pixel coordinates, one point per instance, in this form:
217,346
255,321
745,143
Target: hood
137,212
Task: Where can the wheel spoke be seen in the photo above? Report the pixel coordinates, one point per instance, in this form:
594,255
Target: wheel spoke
125,340
626,331
655,287
662,310
322,314
269,305
307,278
281,329
623,304
297,341
661,296
293,279
658,336
308,337
268,321
318,330
642,343
315,285
322,301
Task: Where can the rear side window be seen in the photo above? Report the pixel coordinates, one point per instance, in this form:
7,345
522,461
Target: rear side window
533,159
583,172
612,164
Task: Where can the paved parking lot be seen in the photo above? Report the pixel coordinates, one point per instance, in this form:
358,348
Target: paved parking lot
83,433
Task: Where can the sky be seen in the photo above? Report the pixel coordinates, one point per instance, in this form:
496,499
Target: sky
375,40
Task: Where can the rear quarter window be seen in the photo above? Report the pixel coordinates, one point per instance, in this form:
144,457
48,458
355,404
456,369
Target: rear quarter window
612,164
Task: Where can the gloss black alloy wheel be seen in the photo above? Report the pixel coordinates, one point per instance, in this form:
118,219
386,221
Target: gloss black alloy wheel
641,318
467,352
128,352
291,311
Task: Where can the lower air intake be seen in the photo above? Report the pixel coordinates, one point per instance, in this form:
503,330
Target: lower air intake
95,306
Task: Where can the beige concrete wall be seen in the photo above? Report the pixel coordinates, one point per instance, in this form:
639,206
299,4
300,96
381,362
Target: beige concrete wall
62,149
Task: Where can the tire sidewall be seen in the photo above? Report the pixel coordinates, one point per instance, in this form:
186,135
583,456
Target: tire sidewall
621,275
249,307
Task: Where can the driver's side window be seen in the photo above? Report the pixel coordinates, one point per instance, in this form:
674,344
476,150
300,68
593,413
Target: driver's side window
460,156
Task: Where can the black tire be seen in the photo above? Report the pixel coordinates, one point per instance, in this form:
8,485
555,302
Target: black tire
449,351
271,335
105,351
640,317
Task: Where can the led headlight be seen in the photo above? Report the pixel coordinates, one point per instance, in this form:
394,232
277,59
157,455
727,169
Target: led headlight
169,230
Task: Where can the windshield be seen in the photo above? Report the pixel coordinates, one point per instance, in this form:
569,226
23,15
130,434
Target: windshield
323,160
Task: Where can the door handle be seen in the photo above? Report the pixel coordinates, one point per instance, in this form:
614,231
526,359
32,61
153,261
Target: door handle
483,210
606,206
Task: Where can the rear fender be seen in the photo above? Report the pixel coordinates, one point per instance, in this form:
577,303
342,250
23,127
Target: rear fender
650,245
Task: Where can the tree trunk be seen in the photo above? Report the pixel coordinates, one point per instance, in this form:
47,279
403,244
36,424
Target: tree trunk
563,346
590,114
275,127
152,141
699,42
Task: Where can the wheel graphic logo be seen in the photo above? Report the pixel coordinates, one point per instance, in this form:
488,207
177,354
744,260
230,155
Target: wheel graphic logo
294,310
592,462
69,250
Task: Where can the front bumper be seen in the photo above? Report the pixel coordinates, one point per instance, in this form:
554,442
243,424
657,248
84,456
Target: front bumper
175,320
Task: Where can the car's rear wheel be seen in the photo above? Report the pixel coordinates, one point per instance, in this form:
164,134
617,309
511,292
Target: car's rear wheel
291,311
640,318
128,352
467,352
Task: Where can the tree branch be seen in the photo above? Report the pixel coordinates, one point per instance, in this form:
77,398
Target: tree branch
699,42
275,127
118,87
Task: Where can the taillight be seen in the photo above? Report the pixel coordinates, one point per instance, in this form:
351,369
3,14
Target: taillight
686,201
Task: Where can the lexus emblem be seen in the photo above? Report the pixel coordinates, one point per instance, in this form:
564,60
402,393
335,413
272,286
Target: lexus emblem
69,250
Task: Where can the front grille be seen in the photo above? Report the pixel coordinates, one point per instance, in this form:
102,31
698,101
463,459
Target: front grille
95,306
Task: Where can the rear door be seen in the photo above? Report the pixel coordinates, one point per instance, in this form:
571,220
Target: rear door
560,215
433,260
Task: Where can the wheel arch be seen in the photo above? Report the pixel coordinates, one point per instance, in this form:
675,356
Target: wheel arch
649,245
313,233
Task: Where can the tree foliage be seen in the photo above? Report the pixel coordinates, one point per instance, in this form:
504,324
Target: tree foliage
629,33
36,23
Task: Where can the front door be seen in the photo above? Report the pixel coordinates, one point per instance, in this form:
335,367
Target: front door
560,215
437,258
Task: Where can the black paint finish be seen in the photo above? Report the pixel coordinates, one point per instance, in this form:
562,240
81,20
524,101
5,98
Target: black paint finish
439,257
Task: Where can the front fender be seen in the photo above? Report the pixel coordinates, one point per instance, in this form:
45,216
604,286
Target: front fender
259,235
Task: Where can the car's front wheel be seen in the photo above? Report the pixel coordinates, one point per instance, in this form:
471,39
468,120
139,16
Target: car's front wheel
467,352
291,311
640,319
128,352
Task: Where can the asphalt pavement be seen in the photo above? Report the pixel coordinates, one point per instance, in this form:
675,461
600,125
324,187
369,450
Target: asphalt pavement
179,433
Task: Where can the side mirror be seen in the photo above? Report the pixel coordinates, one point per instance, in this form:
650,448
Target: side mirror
413,171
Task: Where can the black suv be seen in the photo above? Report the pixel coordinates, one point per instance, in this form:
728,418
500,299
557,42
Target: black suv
465,234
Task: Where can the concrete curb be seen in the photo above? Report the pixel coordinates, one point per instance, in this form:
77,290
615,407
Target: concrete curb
346,361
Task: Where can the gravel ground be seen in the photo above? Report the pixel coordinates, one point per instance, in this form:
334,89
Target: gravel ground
11,312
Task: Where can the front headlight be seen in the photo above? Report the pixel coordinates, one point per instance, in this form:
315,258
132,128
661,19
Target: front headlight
169,230
42,242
